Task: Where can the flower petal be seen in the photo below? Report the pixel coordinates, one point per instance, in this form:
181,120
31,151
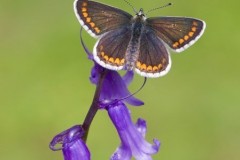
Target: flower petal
76,151
95,73
132,136
114,88
128,77
72,146
122,153
141,126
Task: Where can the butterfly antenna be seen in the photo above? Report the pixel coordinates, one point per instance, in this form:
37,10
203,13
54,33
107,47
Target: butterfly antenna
169,4
131,6
107,103
144,82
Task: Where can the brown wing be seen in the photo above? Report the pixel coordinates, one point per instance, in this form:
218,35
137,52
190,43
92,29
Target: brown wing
154,59
178,33
99,18
110,49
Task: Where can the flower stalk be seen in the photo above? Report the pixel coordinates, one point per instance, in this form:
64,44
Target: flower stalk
94,106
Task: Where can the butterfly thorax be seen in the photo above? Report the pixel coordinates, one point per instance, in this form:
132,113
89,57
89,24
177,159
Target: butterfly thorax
132,51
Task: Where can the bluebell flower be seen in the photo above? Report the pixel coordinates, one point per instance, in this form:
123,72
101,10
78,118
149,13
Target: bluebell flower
114,87
71,144
133,143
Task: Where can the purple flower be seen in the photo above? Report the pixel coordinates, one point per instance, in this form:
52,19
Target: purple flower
114,86
72,146
132,136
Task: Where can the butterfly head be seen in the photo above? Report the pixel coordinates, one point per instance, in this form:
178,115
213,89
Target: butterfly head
140,15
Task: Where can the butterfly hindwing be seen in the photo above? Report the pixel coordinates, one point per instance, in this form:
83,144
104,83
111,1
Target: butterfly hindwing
99,18
154,59
178,33
110,49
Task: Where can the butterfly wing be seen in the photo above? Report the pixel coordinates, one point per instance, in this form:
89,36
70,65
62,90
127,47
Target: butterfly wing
154,59
99,18
178,33
110,49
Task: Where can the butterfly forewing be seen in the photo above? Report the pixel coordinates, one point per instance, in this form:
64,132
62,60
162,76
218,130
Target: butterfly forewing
99,18
110,50
177,32
154,59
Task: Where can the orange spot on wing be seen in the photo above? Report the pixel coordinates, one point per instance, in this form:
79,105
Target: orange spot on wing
143,67
88,19
85,14
155,68
194,29
84,9
106,57
138,64
97,30
92,24
149,68
122,61
160,66
111,60
102,54
195,23
190,34
117,61
181,41
175,45
186,38
84,4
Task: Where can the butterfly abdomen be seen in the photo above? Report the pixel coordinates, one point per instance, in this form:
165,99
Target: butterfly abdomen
133,47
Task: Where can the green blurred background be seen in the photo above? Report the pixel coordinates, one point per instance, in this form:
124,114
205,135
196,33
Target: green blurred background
44,88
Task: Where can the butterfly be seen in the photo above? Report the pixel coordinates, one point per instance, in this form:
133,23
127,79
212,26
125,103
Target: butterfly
136,42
